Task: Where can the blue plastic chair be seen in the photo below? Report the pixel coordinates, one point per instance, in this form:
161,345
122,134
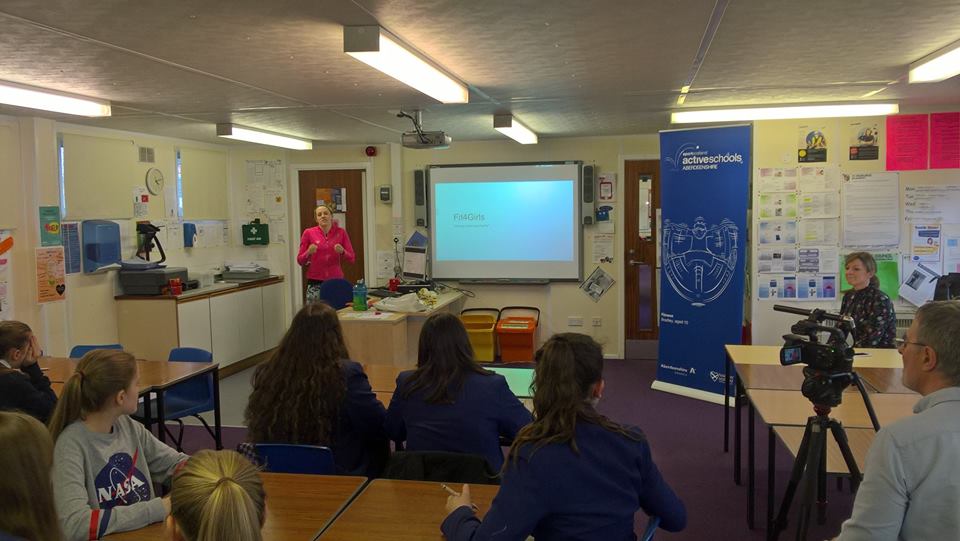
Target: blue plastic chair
189,398
336,292
293,458
652,526
80,351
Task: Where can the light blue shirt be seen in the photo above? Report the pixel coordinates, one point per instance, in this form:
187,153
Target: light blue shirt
911,485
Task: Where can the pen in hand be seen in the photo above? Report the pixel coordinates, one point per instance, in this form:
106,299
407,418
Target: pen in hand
452,492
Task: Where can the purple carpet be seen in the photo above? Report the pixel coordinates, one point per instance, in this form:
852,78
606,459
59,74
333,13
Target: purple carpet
686,436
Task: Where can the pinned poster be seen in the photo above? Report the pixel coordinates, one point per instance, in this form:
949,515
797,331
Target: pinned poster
951,248
776,179
925,243
945,140
777,232
51,286
597,284
814,287
777,260
778,205
50,226
907,142
335,197
864,140
777,287
71,246
919,284
6,245
811,143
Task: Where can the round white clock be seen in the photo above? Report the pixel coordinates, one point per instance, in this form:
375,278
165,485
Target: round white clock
154,181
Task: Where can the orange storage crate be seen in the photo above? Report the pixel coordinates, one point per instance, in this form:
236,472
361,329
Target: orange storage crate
481,324
517,334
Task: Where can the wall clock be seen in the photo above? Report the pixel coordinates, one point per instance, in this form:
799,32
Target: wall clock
154,181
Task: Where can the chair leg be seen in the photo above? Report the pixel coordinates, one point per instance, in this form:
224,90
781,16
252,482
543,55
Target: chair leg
209,430
179,438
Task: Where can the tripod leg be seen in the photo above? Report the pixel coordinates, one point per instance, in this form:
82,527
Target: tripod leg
822,481
771,484
811,477
796,474
840,435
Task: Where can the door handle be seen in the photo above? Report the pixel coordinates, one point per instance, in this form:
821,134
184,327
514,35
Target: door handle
633,262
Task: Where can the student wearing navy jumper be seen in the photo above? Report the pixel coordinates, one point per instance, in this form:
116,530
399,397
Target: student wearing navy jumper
572,473
311,393
23,386
449,403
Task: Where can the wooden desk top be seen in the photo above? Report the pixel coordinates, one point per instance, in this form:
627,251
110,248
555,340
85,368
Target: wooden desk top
298,506
383,377
872,357
858,438
783,378
886,380
389,510
154,375
792,408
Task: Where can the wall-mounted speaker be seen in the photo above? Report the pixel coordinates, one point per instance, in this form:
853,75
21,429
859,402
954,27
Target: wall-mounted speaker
588,197
420,199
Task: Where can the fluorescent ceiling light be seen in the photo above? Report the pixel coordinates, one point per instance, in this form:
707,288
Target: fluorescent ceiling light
774,113
513,129
374,47
940,65
50,100
232,131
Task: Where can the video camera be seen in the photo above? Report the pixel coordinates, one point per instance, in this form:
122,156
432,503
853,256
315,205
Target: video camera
829,362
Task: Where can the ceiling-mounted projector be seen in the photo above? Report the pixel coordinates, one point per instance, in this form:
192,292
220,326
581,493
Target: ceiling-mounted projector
419,139
426,139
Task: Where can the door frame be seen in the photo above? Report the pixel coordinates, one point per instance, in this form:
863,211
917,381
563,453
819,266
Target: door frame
369,213
619,242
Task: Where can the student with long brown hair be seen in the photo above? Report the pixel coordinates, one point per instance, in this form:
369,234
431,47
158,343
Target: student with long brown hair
23,386
216,496
310,392
26,493
105,463
450,403
572,473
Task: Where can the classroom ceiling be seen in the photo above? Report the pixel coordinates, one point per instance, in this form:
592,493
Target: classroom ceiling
564,68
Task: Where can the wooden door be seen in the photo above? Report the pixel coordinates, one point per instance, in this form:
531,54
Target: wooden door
349,214
641,266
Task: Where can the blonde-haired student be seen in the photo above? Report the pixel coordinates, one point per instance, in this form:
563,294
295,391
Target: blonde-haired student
26,493
217,496
105,463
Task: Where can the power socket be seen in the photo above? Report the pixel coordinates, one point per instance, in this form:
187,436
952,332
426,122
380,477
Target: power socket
575,321
597,322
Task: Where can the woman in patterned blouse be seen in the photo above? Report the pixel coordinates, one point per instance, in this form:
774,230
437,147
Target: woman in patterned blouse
870,308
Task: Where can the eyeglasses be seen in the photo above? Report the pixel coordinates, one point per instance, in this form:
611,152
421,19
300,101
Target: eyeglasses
903,342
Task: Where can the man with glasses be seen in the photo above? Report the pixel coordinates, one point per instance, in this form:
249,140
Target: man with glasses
911,483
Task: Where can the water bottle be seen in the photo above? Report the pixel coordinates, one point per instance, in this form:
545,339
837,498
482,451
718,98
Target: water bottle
360,296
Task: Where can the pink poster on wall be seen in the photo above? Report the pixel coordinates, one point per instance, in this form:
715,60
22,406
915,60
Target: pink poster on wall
945,140
907,142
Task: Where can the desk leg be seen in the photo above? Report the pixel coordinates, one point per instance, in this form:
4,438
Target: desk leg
726,404
751,468
147,415
736,432
216,409
161,419
771,483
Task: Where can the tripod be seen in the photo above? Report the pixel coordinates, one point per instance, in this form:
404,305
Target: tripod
810,466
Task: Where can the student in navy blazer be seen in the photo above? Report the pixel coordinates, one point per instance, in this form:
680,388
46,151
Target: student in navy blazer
309,392
450,403
572,473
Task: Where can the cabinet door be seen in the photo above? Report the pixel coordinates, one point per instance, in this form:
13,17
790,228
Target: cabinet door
274,316
236,322
193,323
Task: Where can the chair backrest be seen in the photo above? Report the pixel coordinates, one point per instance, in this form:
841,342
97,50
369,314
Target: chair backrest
80,351
292,458
440,466
199,391
336,292
191,355
652,526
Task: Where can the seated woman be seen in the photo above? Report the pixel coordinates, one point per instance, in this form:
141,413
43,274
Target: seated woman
450,403
105,463
572,473
310,392
26,493
23,386
875,322
216,496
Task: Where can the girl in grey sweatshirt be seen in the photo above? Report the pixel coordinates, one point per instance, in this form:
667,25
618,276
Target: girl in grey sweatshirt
105,463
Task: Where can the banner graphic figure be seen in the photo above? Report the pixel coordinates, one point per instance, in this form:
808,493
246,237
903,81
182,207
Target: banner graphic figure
704,195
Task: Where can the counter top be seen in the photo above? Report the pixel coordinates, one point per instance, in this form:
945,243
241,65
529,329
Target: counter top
212,290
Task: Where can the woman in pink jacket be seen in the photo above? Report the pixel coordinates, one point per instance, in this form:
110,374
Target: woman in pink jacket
321,249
